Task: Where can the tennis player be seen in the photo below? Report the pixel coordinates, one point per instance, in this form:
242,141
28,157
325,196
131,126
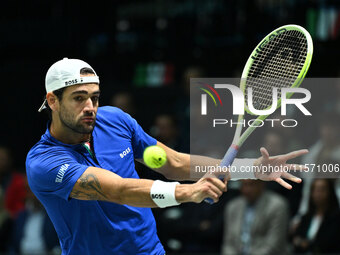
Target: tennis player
83,172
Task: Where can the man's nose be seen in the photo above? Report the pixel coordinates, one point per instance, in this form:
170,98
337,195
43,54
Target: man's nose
89,107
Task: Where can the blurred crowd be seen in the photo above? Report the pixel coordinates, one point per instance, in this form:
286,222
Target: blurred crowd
256,217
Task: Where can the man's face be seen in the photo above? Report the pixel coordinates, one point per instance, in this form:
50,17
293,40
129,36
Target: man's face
329,133
251,190
320,193
273,143
78,107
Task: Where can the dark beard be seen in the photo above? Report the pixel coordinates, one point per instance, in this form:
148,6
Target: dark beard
77,128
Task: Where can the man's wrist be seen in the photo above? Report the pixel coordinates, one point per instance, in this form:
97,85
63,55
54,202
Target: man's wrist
182,193
163,194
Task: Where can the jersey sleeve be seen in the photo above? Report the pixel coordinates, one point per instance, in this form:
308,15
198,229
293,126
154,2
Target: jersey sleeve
53,172
140,139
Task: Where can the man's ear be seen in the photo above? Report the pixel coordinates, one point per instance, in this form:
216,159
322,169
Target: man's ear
52,101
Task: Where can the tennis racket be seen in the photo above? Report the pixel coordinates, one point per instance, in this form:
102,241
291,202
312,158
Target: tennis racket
280,60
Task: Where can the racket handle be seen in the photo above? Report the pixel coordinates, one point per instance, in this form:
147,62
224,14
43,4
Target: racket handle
227,161
230,155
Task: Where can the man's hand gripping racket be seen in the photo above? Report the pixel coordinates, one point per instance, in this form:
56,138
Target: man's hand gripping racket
280,60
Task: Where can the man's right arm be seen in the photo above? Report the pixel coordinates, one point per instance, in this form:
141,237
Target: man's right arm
100,184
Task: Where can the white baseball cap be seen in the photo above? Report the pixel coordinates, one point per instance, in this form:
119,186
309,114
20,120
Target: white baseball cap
65,73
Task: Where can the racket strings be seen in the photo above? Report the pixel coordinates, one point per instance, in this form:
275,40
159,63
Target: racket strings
278,64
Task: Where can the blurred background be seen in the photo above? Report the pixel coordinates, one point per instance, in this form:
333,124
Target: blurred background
145,53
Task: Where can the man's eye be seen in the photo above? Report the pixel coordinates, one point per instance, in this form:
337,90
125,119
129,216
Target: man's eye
95,99
78,98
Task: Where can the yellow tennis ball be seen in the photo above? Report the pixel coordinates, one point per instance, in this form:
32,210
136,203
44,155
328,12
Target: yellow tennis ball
154,156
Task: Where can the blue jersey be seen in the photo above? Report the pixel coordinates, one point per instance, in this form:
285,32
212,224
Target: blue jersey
94,227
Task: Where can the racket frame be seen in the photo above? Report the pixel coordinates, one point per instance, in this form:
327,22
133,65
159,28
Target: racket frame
262,43
240,139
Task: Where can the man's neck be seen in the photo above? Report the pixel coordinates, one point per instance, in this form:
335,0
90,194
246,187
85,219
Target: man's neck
66,135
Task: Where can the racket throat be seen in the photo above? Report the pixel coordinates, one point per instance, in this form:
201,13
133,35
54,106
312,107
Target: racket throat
240,124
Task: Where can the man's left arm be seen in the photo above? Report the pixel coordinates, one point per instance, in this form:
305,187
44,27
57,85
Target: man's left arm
179,166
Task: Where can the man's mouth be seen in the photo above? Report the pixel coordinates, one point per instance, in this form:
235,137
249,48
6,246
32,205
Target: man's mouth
88,119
